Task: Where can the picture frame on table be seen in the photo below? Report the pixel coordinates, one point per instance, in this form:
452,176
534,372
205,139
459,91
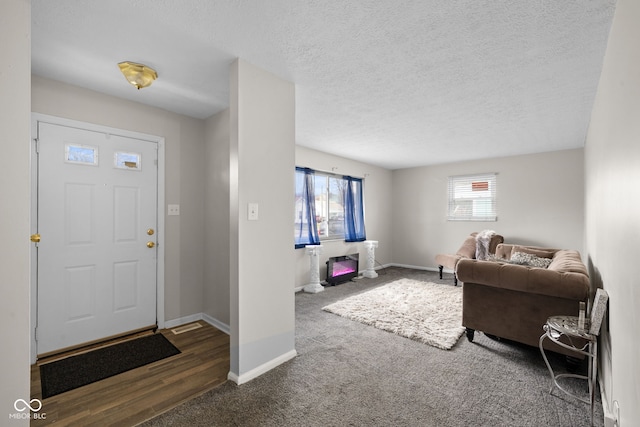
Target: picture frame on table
598,309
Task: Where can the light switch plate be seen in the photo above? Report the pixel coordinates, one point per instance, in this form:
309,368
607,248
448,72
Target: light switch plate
173,209
252,211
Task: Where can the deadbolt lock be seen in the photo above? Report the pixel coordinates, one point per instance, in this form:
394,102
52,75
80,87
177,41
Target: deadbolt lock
150,232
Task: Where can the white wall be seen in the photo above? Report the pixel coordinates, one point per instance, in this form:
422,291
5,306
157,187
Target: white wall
15,117
184,176
377,195
262,117
216,196
613,211
540,201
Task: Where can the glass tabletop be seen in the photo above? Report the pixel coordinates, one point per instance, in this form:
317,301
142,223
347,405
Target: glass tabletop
568,325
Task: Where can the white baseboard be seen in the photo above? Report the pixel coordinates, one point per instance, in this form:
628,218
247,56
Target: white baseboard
417,267
216,323
246,377
195,317
256,372
611,415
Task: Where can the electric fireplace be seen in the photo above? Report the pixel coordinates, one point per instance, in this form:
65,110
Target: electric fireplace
342,269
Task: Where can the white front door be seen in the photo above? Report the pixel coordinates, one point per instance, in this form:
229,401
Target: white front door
97,220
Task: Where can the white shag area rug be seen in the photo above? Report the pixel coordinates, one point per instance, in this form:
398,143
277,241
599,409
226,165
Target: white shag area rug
423,311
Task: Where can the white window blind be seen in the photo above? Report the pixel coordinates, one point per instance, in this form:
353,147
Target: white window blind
472,197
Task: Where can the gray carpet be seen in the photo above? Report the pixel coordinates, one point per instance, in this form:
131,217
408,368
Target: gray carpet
351,374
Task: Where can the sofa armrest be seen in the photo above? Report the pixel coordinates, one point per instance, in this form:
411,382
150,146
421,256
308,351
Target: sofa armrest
569,285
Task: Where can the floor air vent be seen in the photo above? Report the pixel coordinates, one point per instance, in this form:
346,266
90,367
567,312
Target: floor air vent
186,328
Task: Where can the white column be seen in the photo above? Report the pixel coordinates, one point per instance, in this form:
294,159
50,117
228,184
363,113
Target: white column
370,271
314,285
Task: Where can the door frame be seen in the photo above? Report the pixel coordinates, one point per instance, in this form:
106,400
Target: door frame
44,118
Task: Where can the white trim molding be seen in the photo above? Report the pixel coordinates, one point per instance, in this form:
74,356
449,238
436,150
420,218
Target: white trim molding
265,367
415,267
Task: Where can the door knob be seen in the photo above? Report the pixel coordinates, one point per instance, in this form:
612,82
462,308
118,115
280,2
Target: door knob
35,238
150,244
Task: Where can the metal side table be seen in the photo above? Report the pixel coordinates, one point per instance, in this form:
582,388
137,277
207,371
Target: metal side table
567,326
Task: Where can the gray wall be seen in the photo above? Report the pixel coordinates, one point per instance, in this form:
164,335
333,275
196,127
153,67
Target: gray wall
15,193
613,211
377,195
184,173
540,201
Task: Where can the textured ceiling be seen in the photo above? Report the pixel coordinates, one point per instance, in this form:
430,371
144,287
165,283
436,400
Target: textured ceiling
392,83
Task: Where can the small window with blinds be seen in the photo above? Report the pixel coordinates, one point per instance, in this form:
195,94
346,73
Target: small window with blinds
472,197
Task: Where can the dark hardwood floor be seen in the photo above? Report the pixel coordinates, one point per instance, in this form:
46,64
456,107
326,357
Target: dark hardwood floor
132,397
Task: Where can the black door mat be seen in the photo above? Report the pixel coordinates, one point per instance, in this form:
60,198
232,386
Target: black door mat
77,371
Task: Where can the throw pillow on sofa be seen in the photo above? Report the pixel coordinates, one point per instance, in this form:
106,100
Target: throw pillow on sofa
523,258
541,253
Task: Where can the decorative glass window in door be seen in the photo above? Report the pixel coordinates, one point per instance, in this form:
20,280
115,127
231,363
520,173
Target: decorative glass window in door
81,154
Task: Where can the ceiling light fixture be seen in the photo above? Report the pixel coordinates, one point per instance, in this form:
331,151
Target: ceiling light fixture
139,75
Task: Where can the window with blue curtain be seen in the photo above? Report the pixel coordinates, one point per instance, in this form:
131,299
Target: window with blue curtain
354,211
327,207
306,229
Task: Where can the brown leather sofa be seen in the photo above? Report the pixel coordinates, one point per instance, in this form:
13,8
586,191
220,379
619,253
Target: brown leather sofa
514,301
